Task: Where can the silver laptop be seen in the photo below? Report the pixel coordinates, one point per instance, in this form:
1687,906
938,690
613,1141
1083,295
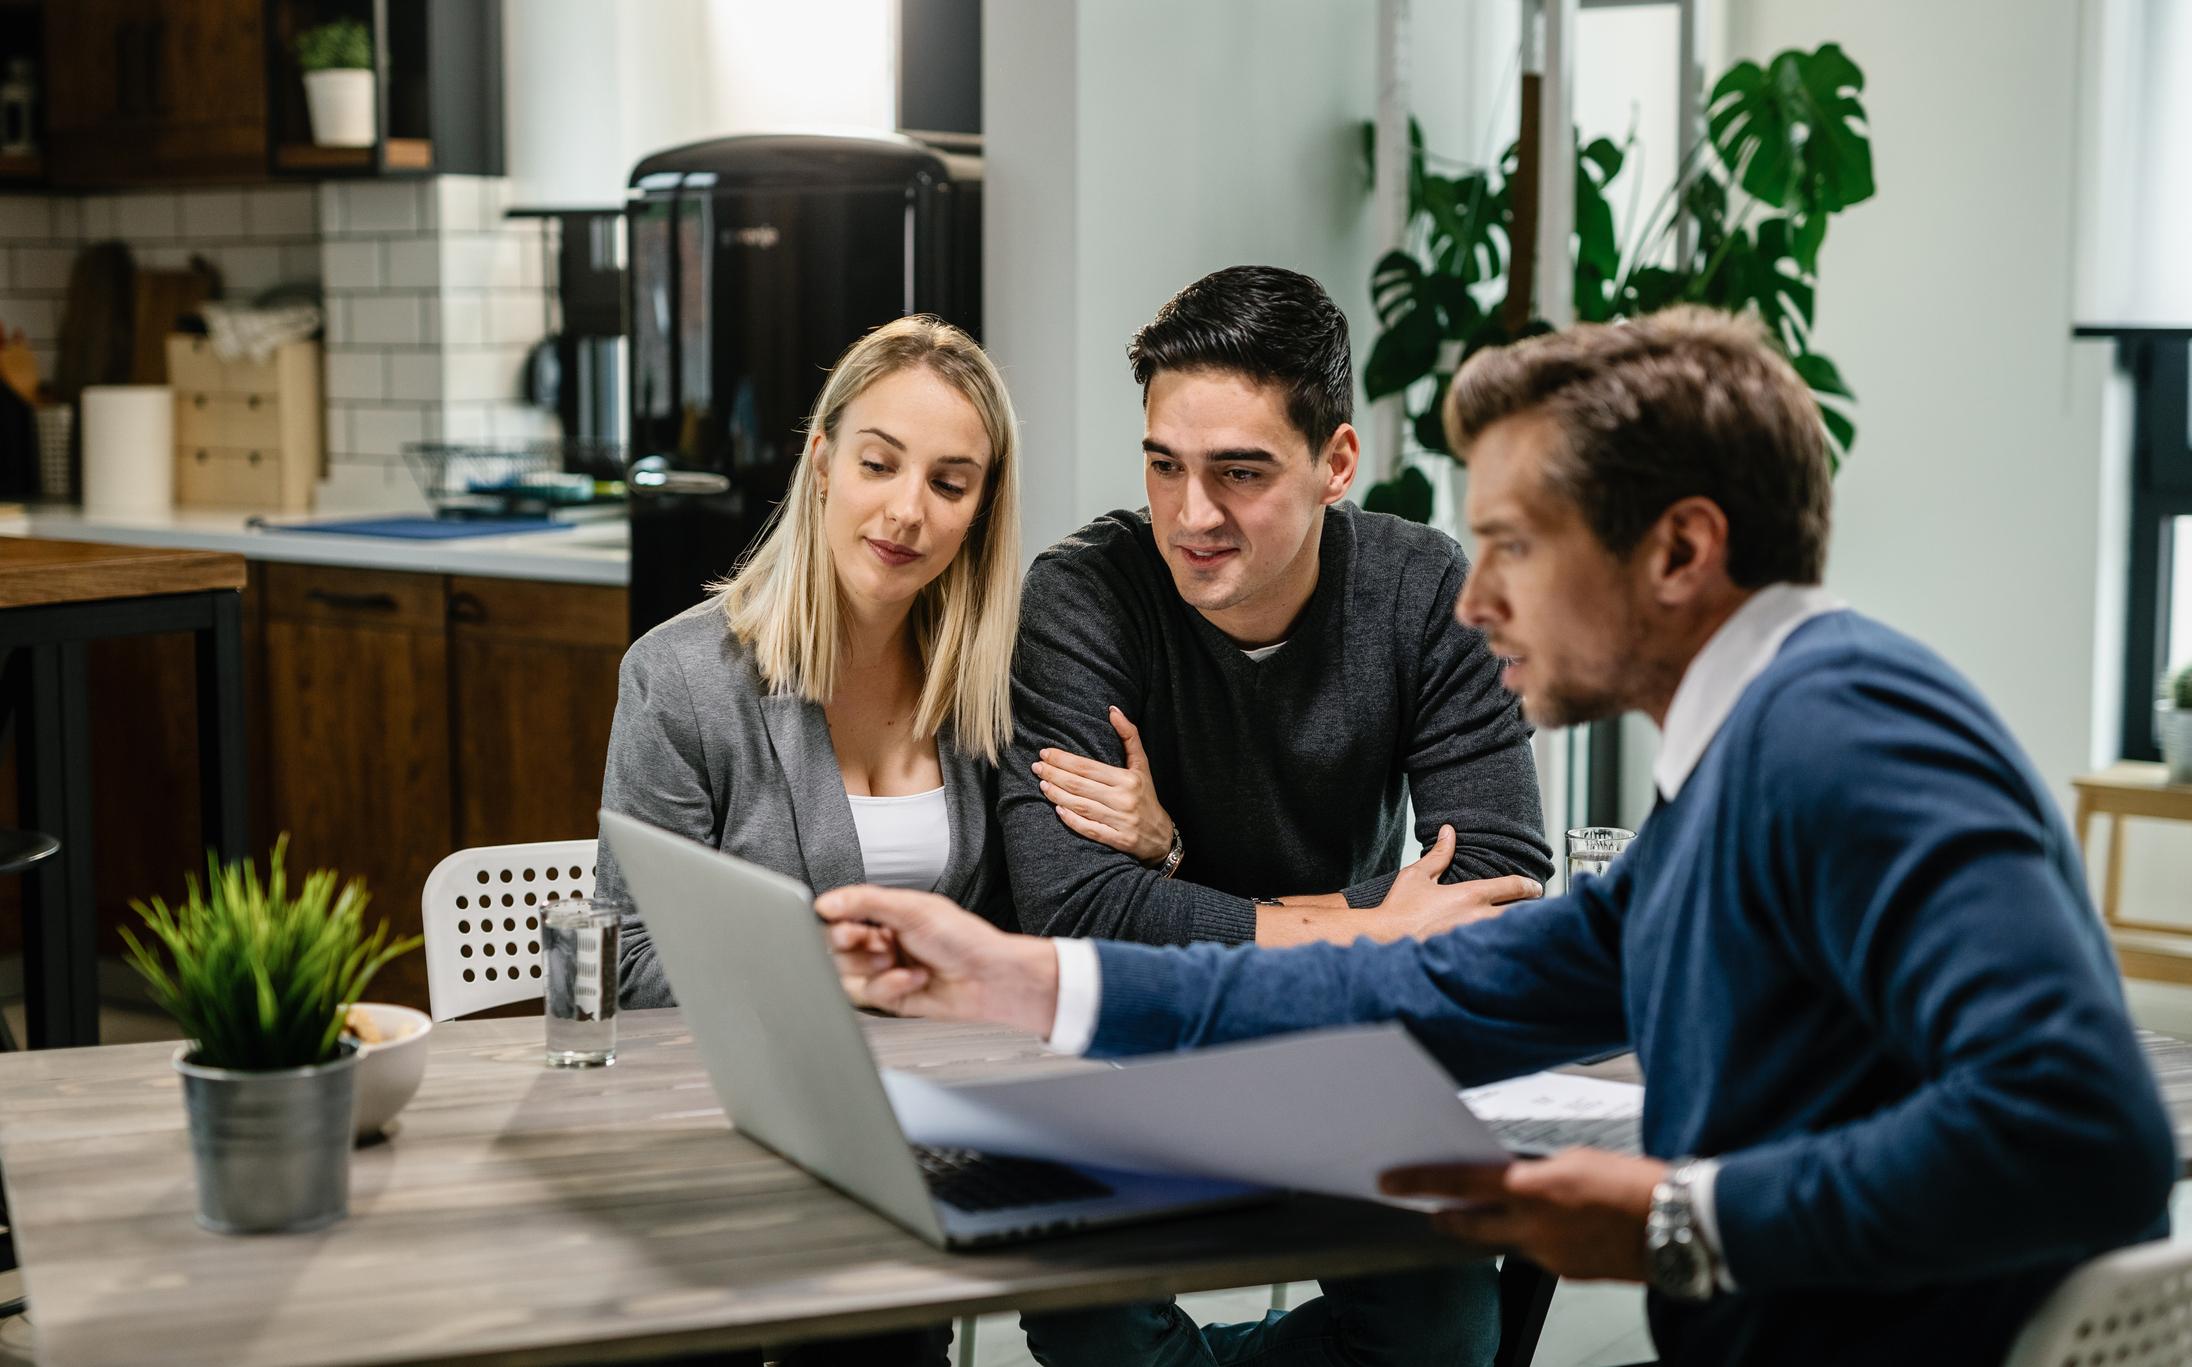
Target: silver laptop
746,956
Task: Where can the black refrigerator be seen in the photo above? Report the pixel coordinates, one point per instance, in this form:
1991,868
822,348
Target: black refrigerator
754,262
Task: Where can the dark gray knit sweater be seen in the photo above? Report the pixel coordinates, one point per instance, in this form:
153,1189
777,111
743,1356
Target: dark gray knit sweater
1284,775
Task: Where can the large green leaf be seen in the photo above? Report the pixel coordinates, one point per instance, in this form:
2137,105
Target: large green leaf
1834,398
1598,250
1794,132
1393,285
1402,354
1407,494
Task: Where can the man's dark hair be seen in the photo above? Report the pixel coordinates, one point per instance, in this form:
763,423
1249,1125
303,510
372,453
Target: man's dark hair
1685,403
1273,326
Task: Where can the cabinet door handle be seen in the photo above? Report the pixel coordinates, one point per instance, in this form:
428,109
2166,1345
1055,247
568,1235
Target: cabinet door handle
253,458
199,400
252,402
467,608
201,455
352,602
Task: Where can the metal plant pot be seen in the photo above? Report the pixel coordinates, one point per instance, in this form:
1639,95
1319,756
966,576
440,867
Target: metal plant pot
2173,728
272,1149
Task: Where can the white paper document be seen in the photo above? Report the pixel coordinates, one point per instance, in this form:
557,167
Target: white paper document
1324,1112
1556,1096
1547,1111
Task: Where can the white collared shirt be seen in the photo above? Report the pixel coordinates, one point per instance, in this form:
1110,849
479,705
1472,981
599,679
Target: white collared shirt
1715,679
1736,654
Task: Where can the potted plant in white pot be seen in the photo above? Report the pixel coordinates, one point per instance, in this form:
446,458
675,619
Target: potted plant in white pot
2173,725
260,978
337,58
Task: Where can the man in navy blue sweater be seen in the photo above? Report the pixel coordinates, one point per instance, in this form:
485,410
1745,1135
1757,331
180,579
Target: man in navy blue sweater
1893,1094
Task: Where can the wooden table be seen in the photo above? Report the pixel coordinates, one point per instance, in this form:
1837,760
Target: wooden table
528,1215
55,596
2147,949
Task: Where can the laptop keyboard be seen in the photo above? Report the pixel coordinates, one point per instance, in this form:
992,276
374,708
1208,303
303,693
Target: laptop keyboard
976,1182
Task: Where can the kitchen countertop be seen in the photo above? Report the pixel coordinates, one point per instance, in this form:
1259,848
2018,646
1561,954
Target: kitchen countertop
592,552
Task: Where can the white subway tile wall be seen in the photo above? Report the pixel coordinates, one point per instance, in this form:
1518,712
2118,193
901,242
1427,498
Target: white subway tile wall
431,309
257,238
433,298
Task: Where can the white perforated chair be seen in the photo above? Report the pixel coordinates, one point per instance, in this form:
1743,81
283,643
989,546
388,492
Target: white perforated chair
481,911
2130,1308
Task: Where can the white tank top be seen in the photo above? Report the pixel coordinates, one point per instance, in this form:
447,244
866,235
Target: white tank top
904,841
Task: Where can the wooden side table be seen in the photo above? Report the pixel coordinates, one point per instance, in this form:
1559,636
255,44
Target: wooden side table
2147,949
55,596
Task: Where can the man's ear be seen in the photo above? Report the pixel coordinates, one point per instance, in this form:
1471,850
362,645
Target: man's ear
1342,458
1689,548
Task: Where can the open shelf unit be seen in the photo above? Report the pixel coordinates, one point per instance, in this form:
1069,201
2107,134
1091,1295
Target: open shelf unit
437,89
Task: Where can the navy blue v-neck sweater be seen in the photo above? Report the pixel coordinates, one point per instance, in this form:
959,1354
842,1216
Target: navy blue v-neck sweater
1857,962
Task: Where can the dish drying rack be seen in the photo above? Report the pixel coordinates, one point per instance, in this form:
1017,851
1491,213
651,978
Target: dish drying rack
517,479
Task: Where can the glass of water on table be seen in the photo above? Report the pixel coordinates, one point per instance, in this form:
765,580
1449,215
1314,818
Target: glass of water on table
579,943
1591,850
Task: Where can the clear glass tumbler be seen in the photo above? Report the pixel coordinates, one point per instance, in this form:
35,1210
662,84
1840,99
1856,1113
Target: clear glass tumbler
1591,850
579,941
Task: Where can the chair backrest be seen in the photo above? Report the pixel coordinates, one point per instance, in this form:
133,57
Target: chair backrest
2130,1308
481,911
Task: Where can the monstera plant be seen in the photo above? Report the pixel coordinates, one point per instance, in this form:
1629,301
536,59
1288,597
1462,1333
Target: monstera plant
1787,148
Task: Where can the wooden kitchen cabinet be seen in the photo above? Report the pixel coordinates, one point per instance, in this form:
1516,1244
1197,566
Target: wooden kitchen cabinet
150,92
357,730
409,715
532,689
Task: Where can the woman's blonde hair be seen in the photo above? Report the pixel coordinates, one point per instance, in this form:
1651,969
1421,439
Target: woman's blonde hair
782,600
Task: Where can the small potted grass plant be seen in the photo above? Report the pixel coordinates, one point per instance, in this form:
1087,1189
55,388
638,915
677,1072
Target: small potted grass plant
259,975
337,58
2173,724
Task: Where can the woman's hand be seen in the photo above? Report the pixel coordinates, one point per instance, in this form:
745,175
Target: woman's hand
1111,806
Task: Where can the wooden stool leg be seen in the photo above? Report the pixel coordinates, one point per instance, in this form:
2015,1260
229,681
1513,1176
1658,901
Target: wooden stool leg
2112,888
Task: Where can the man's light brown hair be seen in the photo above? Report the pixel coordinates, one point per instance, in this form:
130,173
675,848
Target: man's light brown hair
1690,402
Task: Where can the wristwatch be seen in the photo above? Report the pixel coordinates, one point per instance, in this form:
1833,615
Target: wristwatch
1677,1263
1170,863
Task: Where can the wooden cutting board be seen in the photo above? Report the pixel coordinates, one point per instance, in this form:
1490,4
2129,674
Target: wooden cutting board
163,297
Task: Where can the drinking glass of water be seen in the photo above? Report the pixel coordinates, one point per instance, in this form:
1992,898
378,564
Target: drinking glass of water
579,940
1591,850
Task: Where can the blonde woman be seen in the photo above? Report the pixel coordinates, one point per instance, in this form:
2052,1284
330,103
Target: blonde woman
835,712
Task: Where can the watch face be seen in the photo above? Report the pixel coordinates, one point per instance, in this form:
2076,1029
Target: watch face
1677,1266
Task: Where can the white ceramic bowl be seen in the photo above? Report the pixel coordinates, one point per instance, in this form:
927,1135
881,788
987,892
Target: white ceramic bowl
389,1072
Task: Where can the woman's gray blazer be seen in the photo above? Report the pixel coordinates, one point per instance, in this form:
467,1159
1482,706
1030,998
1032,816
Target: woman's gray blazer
700,746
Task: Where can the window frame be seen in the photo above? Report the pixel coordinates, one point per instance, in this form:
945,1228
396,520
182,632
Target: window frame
2160,366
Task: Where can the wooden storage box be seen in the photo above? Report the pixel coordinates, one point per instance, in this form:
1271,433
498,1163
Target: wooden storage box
247,433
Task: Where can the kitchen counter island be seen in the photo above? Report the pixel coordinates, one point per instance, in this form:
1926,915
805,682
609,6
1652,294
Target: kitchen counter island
587,552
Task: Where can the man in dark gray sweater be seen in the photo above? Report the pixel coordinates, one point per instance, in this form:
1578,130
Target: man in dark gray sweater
1249,680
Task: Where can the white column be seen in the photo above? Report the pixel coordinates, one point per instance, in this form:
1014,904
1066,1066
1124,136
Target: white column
1556,162
1388,418
1689,110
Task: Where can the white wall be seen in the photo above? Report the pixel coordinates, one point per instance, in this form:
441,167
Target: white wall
591,86
1969,514
1133,146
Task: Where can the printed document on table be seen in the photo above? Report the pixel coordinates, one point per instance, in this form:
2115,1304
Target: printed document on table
1544,1112
1324,1111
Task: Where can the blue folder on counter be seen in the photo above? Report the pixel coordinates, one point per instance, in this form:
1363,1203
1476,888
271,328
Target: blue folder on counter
424,528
